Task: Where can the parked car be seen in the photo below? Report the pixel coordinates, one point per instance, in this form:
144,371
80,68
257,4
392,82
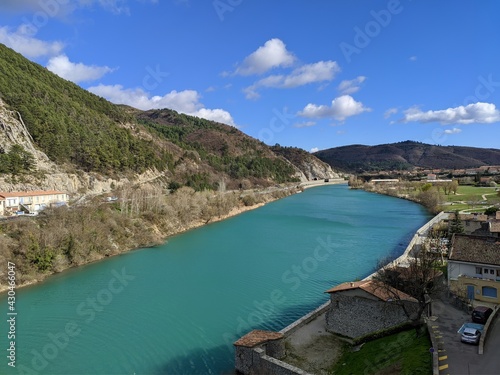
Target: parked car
471,336
480,314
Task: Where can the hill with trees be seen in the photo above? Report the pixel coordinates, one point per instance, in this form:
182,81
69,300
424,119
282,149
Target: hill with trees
407,155
85,134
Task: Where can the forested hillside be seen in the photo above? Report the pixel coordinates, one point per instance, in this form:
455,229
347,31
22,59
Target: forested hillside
70,124
224,148
82,131
406,155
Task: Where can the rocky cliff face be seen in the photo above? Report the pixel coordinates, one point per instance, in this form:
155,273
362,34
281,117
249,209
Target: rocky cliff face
313,168
48,175
13,131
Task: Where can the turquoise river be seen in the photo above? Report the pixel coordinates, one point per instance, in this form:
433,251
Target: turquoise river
177,308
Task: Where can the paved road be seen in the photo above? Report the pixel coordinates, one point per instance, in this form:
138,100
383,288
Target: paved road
463,359
489,362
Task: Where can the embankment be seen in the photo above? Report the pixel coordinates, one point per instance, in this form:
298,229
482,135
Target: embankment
66,238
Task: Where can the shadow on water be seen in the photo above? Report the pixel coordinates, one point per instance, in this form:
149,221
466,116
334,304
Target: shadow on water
216,361
220,360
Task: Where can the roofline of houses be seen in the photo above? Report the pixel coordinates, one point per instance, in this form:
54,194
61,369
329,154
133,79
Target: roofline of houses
29,193
473,262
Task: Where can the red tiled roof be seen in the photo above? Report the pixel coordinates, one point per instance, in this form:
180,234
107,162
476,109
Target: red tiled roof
29,193
375,288
257,337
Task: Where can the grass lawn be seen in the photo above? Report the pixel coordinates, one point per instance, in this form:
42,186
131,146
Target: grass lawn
401,353
466,194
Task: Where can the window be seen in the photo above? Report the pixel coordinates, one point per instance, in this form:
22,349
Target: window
489,291
492,272
479,271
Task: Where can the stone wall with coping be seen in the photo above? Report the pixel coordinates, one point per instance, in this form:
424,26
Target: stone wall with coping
265,358
435,346
262,360
288,330
415,242
486,329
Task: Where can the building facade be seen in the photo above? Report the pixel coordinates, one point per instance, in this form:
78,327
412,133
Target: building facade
474,268
31,201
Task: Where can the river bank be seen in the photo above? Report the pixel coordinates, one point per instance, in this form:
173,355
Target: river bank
234,212
158,232
427,196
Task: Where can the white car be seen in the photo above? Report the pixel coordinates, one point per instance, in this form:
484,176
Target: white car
471,336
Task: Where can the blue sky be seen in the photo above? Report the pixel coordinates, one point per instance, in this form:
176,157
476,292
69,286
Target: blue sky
311,74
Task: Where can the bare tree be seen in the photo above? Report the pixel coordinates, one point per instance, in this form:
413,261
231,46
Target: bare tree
418,279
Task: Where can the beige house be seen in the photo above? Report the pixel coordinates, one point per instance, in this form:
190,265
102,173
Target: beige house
31,201
474,267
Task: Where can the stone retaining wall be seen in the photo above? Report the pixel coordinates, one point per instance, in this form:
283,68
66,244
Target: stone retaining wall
416,241
486,329
288,330
355,317
265,357
272,366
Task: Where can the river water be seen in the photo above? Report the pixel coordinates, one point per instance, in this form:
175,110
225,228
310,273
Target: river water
177,308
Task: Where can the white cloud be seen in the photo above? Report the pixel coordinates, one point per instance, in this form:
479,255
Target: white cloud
390,112
311,73
313,150
341,108
187,101
351,86
477,113
413,58
217,114
76,72
271,55
305,124
22,41
453,131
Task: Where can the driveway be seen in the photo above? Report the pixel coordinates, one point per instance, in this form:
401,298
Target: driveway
457,358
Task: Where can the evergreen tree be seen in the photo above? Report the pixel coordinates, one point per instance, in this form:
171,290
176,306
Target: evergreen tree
456,225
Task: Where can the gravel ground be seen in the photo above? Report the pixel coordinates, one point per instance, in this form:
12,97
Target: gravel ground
313,349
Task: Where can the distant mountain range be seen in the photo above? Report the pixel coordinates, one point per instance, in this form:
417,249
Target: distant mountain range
406,156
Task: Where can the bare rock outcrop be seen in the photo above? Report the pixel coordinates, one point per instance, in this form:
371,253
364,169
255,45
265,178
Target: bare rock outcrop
48,175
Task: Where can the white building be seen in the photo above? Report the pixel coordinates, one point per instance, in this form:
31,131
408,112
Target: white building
32,201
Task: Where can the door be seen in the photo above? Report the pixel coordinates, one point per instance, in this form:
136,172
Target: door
470,292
